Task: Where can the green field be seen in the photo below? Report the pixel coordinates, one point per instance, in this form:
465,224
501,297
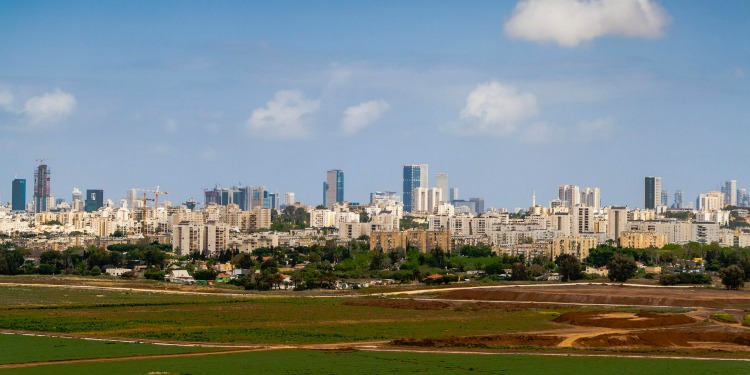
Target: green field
22,349
357,362
249,320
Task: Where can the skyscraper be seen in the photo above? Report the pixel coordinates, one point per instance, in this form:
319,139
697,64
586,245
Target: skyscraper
19,195
333,188
94,200
441,182
678,199
414,176
591,198
289,199
664,201
652,192
42,188
730,192
570,195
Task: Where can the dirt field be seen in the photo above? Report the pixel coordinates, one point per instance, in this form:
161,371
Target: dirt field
611,294
637,328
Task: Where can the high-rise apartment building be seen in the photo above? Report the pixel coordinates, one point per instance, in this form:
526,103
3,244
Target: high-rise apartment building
42,188
617,222
94,200
652,192
414,176
453,194
730,192
18,195
591,198
289,199
441,182
333,188
570,195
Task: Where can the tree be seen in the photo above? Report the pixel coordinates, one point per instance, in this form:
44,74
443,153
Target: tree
208,274
621,268
519,272
569,267
732,277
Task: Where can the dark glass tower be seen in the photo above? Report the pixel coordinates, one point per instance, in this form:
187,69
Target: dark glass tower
19,195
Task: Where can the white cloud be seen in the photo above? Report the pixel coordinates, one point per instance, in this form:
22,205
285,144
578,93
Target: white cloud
496,109
571,22
284,116
359,116
50,107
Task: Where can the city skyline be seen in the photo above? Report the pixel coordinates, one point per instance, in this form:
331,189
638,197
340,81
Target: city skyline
482,93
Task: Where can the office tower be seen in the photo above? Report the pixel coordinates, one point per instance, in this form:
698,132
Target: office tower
441,182
131,198
652,192
679,197
730,192
664,199
78,196
569,194
94,200
42,188
18,202
333,188
414,176
743,199
711,201
591,198
259,198
478,204
289,199
274,201
424,177
425,200
453,194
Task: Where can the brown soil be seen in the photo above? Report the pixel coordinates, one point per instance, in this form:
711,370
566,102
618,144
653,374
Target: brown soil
482,341
412,304
693,337
606,319
610,294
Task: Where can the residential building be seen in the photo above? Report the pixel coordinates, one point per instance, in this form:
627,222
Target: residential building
569,195
642,239
288,199
617,221
711,201
441,182
591,198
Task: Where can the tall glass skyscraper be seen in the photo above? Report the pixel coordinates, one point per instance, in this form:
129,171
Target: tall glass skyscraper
19,195
333,188
414,176
652,196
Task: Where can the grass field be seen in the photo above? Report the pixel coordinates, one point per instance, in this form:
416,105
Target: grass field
258,320
22,349
358,362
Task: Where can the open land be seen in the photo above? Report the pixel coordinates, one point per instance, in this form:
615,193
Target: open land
160,328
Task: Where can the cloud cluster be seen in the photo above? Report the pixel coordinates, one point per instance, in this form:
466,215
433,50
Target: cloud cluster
500,110
359,116
284,116
497,109
571,22
39,111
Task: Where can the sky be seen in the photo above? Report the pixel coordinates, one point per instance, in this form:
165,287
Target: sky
506,97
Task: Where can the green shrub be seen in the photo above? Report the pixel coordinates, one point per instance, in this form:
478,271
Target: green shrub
724,317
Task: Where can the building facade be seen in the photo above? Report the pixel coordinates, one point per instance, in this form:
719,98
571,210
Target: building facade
652,192
333,188
18,202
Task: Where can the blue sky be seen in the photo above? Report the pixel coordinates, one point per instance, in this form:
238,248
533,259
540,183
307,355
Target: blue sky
504,96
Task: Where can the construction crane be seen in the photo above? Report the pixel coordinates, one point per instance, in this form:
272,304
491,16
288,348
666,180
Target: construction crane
157,193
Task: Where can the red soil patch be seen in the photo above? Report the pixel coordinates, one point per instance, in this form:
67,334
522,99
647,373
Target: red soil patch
606,319
482,341
607,294
666,338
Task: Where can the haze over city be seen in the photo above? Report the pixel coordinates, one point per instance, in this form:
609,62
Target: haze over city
275,94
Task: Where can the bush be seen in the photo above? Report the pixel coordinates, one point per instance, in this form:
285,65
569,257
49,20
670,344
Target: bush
684,278
129,275
154,274
205,274
96,271
723,317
